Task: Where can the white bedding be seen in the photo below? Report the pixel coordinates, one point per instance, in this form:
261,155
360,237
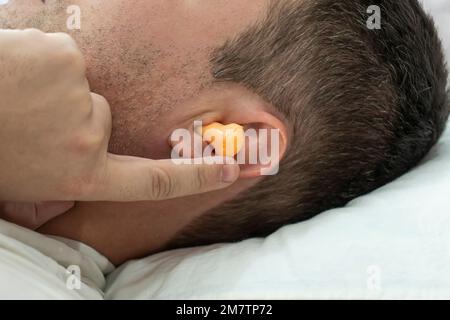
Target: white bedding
392,243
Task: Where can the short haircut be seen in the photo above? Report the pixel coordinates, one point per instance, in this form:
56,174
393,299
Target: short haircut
366,106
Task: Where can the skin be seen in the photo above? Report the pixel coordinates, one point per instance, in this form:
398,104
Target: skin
64,132
150,59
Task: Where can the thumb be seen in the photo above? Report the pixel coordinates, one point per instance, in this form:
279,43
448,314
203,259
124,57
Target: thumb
138,179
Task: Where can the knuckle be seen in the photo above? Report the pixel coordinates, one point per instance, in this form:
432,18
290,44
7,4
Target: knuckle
78,96
87,143
65,51
32,40
34,33
99,101
71,57
62,39
160,184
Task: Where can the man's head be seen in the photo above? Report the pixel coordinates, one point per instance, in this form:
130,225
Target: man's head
365,106
356,107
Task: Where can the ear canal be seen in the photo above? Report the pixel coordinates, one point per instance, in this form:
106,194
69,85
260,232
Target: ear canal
227,140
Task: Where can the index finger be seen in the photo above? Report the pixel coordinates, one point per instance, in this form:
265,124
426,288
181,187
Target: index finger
138,179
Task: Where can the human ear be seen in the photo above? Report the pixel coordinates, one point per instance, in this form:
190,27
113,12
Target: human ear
265,130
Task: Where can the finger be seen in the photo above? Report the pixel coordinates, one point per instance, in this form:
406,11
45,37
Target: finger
33,215
46,211
21,213
136,179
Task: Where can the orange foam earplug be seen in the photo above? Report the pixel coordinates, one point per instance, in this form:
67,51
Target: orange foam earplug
227,140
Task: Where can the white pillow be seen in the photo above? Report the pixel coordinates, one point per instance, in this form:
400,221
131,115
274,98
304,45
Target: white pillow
392,243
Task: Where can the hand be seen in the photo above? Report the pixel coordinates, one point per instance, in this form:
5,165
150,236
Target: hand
54,133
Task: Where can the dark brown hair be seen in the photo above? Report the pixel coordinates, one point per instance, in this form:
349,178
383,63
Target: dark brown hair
366,106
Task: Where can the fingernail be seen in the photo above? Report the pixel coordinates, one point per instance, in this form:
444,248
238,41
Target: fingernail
230,173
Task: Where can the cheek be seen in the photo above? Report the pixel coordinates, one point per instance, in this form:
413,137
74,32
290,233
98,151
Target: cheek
144,117
137,131
147,72
146,111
